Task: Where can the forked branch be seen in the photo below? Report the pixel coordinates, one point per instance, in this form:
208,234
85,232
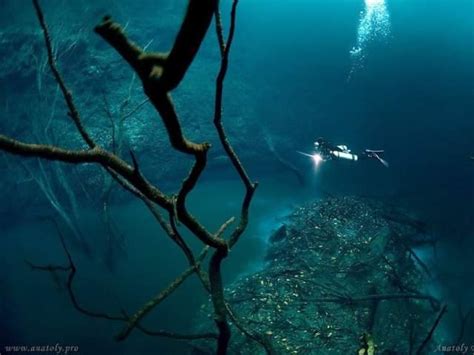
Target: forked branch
160,73
131,321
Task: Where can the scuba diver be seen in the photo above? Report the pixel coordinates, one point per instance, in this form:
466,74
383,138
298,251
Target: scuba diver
328,151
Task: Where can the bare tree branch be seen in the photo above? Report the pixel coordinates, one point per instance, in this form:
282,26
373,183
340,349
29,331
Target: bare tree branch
219,31
217,294
159,73
249,185
148,307
261,339
134,110
433,328
93,155
464,319
158,77
215,276
224,226
350,299
71,269
73,113
164,333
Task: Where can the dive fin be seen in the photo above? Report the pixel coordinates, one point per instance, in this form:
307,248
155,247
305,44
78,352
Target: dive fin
383,161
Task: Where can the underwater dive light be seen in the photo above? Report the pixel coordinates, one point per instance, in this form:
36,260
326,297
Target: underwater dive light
316,158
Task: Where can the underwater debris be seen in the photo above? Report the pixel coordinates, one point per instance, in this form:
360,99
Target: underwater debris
336,274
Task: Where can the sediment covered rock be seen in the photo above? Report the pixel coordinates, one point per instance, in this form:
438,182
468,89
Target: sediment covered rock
340,278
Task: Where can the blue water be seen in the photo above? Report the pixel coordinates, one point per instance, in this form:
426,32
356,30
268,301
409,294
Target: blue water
396,75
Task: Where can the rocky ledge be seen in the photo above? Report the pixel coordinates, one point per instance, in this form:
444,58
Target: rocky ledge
340,277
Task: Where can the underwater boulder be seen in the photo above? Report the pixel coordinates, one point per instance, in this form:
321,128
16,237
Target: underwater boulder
337,281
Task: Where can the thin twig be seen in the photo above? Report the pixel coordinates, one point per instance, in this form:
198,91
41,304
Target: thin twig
134,110
432,329
350,299
160,297
167,334
262,340
73,113
224,226
249,185
219,31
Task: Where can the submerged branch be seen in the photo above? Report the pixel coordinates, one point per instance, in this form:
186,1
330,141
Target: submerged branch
93,155
432,329
160,73
159,77
71,270
219,31
148,307
349,299
249,185
262,340
177,336
73,112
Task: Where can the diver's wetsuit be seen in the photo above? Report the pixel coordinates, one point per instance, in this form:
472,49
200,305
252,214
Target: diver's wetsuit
329,151
326,149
